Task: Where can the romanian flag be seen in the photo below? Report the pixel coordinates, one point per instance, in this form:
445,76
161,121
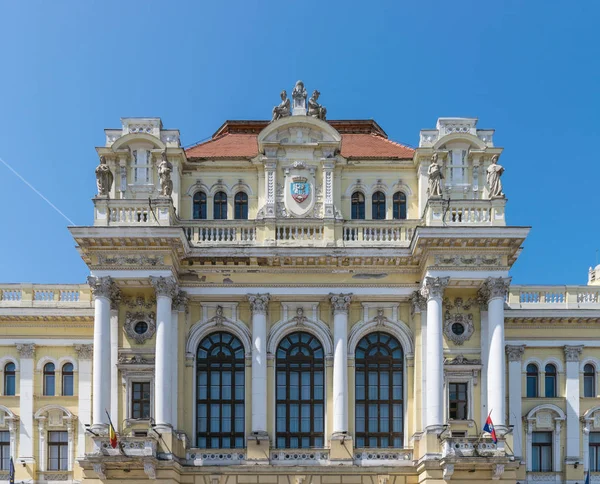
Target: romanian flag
489,427
112,435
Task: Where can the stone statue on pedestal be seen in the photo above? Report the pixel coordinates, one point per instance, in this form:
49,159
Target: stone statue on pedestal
299,96
283,110
494,172
165,167
435,178
104,178
315,109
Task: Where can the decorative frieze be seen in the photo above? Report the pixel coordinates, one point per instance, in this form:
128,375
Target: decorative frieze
433,287
131,260
458,260
84,352
299,319
26,350
101,286
340,302
139,302
572,352
259,303
165,286
515,353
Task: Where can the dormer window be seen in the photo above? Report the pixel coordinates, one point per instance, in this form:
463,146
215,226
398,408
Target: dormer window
458,167
141,166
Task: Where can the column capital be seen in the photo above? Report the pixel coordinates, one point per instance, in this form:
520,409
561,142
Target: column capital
165,286
340,302
180,301
26,350
495,288
115,298
84,352
515,353
259,303
102,286
418,302
572,352
433,287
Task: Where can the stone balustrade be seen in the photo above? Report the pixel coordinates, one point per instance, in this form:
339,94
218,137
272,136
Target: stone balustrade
127,446
553,297
210,457
127,212
443,212
383,457
471,447
300,457
38,295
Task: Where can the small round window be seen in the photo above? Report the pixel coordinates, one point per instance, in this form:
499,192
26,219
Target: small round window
141,327
458,329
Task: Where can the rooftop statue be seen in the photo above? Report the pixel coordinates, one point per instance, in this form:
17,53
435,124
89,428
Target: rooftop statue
435,177
165,167
315,109
283,110
104,178
494,172
299,95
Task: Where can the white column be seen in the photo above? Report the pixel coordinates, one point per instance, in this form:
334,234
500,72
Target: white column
102,290
433,291
259,304
572,393
166,289
496,373
179,307
27,354
485,343
515,354
556,445
340,303
84,391
114,357
419,306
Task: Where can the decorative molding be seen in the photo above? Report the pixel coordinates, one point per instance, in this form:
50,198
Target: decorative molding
150,469
131,319
461,360
139,302
84,352
134,360
259,303
181,301
515,353
299,319
131,260
467,260
572,353
418,302
433,287
101,286
340,302
465,320
447,472
497,287
165,286
26,350
459,303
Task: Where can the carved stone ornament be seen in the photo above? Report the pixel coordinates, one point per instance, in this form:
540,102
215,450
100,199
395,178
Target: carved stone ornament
448,471
572,352
494,172
433,287
299,96
299,319
133,360
497,287
497,471
131,260
315,109
101,286
435,177
165,167
100,469
84,352
132,319
283,109
150,470
219,318
515,353
340,302
418,302
259,303
458,303
104,178
26,350
139,302
164,286
380,319
180,301
461,360
464,321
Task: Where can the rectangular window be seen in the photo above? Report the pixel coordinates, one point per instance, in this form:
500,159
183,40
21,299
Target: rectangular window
4,450
458,401
140,400
141,167
58,451
541,450
595,451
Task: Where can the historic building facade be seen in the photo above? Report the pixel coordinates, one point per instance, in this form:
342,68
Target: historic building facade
300,301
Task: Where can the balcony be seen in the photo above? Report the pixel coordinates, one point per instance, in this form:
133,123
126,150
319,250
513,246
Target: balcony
219,457
457,447
554,297
46,296
128,446
383,457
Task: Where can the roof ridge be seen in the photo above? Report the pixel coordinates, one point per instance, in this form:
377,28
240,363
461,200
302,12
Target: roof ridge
401,145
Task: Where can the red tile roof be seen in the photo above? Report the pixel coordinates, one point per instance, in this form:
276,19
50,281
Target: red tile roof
360,139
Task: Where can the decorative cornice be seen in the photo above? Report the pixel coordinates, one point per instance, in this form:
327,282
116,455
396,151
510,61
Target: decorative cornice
101,286
180,301
259,303
461,360
418,302
165,286
340,302
433,287
515,353
26,350
497,287
84,352
572,352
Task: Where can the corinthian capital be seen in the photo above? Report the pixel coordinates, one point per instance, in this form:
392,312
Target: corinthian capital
165,286
497,287
180,302
433,287
102,286
259,303
84,352
26,350
515,353
340,302
418,302
572,352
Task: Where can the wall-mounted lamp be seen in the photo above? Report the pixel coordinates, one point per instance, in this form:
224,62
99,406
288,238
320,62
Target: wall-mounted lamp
23,463
575,465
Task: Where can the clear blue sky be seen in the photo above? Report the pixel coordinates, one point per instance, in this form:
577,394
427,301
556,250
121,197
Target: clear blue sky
529,69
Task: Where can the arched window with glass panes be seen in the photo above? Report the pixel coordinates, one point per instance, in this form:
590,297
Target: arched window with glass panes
399,205
589,381
357,203
532,380
67,379
10,379
550,378
379,403
220,392
199,206
49,379
220,206
378,206
241,206
300,392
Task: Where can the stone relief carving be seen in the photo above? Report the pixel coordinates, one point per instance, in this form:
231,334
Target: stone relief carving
299,319
572,352
380,319
133,360
259,303
180,301
139,302
164,286
497,287
131,259
459,303
494,172
84,352
515,353
165,167
283,109
340,302
219,318
461,360
101,286
418,302
458,328
150,470
434,172
434,287
132,319
100,470
461,260
104,178
299,96
315,109
26,350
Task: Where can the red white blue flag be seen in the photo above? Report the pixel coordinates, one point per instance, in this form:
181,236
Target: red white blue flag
489,427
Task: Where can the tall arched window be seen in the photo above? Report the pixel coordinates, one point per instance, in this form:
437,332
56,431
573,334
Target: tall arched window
49,379
379,393
589,381
241,206
399,201
220,392
378,207
199,206
550,381
358,206
10,379
300,401
67,379
532,380
220,206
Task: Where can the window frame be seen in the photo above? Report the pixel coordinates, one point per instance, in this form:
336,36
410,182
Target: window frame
537,447
62,450
554,382
220,201
466,402
596,450
399,206
5,450
531,374
589,376
379,206
64,375
357,206
240,202
142,401
47,374
201,203
10,374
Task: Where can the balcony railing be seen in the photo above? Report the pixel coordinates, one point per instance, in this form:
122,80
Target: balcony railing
128,446
221,457
300,457
553,297
383,457
37,295
471,447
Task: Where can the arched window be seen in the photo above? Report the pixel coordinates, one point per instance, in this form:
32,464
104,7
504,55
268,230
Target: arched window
399,201
378,207
220,206
67,379
241,206
550,381
300,401
10,379
199,206
49,379
532,380
379,402
358,206
220,392
589,381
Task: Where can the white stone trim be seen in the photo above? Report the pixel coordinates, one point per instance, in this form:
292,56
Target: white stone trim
297,291
200,330
595,362
532,359
556,445
9,420
556,362
454,375
4,361
588,426
317,328
67,425
44,360
397,328
67,359
137,376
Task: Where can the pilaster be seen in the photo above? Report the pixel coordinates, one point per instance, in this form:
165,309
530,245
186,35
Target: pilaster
572,354
26,431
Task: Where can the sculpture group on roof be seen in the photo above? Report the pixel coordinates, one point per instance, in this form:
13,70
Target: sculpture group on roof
299,94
